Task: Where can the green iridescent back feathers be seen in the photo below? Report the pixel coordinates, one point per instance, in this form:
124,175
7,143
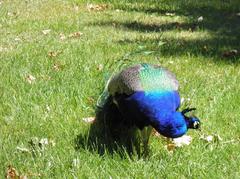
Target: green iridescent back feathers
143,77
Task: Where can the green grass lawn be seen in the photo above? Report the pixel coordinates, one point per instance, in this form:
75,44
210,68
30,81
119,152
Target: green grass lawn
51,80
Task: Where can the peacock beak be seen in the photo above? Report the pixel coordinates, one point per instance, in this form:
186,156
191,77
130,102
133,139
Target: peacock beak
187,110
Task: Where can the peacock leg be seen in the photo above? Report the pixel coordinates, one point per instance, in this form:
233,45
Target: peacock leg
145,134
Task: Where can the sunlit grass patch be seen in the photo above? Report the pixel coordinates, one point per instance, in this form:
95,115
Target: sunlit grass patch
56,57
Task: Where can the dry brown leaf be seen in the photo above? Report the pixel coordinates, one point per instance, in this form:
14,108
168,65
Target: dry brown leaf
11,14
89,119
200,19
2,49
46,31
100,67
170,147
208,138
76,162
177,142
11,173
211,138
205,48
41,144
33,175
48,108
30,79
45,142
185,100
75,35
23,149
53,53
230,53
169,14
76,8
17,39
181,141
62,36
56,67
91,100
45,77
96,7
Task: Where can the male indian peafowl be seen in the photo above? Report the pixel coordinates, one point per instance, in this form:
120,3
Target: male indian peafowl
146,96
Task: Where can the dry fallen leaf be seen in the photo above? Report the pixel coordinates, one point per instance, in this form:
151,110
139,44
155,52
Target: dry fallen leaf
100,67
76,8
40,144
23,149
205,48
17,39
62,36
200,19
11,173
11,14
53,54
45,77
48,108
230,53
208,138
181,141
6,49
169,14
170,147
45,142
2,49
76,162
30,79
75,35
89,119
56,67
96,7
182,100
211,138
185,99
46,31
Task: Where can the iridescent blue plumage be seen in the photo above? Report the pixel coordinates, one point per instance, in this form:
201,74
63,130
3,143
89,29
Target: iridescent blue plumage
147,95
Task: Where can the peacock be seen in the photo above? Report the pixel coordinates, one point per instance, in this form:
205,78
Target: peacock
143,97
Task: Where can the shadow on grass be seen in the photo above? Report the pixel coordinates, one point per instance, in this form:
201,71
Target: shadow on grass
109,134
221,20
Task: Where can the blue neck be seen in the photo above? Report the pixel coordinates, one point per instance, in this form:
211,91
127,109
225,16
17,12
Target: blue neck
157,109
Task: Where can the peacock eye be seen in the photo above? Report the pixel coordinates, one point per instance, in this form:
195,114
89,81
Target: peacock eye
196,124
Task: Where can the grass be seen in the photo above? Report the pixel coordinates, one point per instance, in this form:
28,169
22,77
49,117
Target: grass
67,86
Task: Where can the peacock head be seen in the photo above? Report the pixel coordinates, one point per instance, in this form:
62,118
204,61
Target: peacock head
192,121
